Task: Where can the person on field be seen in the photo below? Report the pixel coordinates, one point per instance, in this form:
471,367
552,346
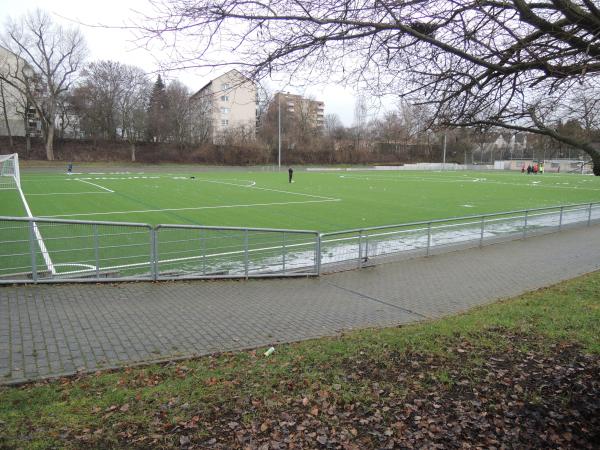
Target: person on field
290,174
70,168
529,169
523,168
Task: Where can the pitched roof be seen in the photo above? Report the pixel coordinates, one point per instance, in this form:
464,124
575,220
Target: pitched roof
216,78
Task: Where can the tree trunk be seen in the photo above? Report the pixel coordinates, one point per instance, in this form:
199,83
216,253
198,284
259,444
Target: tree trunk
596,163
50,143
133,152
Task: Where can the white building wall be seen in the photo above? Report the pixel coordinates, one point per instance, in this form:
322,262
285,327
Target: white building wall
231,105
13,100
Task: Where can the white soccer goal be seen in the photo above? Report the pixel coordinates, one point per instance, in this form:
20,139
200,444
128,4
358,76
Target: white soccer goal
10,177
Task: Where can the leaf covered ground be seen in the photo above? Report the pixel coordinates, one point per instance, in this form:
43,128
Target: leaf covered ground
518,374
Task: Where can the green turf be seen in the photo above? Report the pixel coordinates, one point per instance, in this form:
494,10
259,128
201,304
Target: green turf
315,201
321,201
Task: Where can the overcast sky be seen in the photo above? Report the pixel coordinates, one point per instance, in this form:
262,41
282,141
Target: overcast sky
120,45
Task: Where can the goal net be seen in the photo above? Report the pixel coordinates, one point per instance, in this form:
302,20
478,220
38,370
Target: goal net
9,172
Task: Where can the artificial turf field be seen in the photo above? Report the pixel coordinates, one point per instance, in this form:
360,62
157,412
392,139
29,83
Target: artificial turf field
322,201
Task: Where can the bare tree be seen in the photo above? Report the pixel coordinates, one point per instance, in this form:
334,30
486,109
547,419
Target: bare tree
480,62
52,56
132,105
111,101
66,118
97,96
334,129
201,125
178,112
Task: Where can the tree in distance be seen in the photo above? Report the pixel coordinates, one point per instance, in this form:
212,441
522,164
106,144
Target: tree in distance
480,63
46,60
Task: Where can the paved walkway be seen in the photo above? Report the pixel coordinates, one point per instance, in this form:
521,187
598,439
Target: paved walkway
49,330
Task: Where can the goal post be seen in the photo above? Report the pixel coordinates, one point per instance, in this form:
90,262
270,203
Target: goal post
10,177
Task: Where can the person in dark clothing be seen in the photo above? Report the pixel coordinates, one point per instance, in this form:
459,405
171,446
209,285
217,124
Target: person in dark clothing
290,174
70,168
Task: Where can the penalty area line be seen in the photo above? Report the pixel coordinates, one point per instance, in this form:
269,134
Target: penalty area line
195,208
254,186
69,193
94,184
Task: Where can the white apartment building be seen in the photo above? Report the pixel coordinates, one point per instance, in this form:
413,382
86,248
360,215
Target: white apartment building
301,109
14,109
225,108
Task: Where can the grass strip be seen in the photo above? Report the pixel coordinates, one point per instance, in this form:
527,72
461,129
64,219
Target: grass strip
529,364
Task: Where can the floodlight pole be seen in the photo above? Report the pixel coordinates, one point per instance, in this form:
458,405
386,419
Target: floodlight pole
444,162
279,130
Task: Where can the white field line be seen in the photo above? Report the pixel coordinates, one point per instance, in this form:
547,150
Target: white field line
183,258
70,193
253,186
533,183
94,184
194,208
38,236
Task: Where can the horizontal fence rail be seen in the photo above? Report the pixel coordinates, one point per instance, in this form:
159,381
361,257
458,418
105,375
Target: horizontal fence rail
366,246
184,251
46,250
49,250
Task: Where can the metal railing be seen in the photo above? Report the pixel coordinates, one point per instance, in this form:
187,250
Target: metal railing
187,251
48,250
366,246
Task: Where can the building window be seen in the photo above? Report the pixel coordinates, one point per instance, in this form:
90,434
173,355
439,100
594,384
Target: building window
224,111
224,122
224,98
225,86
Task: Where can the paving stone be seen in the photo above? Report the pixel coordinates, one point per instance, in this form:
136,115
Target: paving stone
47,330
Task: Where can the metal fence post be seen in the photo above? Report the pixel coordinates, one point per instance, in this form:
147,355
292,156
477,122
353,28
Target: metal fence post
428,237
525,225
96,249
246,253
360,249
283,249
482,228
560,219
203,249
318,262
589,222
34,273
154,252
366,247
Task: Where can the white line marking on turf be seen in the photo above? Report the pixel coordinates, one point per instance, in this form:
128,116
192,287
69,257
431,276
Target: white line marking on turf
253,186
70,193
38,236
196,208
94,184
466,179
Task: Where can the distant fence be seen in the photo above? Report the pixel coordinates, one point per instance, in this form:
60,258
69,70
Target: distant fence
47,250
